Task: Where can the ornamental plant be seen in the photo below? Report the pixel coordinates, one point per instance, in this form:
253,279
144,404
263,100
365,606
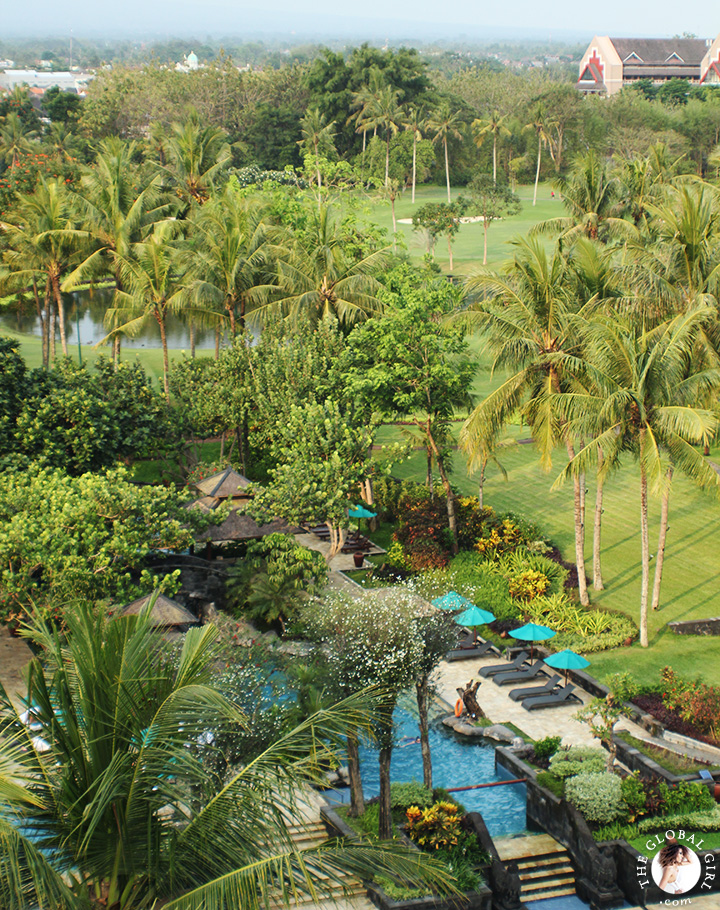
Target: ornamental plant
597,796
434,828
577,760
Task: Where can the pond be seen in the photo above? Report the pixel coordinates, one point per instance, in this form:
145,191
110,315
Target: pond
455,764
84,314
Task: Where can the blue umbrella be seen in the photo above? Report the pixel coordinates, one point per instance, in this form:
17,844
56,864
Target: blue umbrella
474,617
567,660
361,512
533,632
451,601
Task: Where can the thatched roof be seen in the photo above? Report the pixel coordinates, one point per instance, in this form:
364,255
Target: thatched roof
224,485
238,526
205,504
165,612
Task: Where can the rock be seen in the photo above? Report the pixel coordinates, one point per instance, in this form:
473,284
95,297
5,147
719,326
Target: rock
207,612
500,733
451,721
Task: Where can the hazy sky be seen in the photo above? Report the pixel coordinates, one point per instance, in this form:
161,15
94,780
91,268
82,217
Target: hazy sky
563,18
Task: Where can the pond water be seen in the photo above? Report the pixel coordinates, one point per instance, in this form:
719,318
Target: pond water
455,764
84,314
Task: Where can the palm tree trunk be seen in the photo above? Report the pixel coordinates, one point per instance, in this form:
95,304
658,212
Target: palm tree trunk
357,801
452,517
53,330
421,690
447,167
362,166
494,159
387,158
537,172
597,529
392,206
117,341
217,342
485,229
429,474
166,362
414,167
662,538
481,484
45,323
61,313
450,251
385,815
192,339
645,552
579,532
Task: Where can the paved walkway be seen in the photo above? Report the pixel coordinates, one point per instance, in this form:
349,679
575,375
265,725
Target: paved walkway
500,709
14,657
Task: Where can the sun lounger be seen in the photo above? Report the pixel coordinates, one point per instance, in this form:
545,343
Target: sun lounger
502,668
562,696
531,672
529,691
465,650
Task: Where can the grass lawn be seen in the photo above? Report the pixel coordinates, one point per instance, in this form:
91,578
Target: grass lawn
468,242
671,761
710,841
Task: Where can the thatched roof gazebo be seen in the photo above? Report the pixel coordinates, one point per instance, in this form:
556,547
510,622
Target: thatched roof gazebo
166,613
227,484
238,526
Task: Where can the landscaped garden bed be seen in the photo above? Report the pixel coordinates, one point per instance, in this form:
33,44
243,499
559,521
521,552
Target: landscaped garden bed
687,707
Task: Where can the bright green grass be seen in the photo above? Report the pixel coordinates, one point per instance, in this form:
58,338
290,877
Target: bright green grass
468,242
710,841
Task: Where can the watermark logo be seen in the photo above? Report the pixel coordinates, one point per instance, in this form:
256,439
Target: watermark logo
677,864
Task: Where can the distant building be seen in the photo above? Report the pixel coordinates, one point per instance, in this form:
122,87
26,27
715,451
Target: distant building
611,63
68,82
190,62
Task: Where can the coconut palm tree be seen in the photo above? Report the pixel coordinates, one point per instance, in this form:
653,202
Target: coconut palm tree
540,126
643,401
317,138
590,194
317,276
492,125
362,103
527,319
15,140
445,123
416,123
40,241
154,286
112,799
115,209
230,255
385,112
196,157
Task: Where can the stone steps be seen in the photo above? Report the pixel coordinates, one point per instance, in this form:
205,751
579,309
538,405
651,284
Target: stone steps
545,873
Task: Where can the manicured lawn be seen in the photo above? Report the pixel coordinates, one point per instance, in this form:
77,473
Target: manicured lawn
710,841
468,242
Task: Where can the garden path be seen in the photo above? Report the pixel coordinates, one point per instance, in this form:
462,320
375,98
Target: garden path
500,709
15,655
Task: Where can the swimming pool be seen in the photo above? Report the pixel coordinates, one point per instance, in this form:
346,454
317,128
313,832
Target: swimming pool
455,764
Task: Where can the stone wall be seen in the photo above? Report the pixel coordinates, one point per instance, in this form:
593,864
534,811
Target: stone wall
696,626
203,581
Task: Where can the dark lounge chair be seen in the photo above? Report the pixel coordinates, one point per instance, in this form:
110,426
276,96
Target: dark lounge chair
494,669
529,691
563,695
467,649
531,672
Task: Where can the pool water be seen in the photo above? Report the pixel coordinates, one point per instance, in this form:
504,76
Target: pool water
455,764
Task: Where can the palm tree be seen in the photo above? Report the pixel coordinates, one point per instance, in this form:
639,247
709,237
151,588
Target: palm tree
116,208
230,254
385,112
63,142
527,318
362,103
317,138
492,125
643,401
416,122
153,287
41,241
539,125
317,276
113,798
444,123
196,156
590,194
15,139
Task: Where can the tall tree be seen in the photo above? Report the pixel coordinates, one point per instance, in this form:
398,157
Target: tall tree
196,157
538,124
317,139
385,112
444,122
15,140
492,125
416,123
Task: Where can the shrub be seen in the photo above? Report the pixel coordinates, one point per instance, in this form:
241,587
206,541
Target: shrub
475,579
695,702
708,820
435,827
623,686
499,540
577,760
617,831
526,586
402,796
688,797
597,796
634,797
397,891
524,560
552,783
546,748
369,821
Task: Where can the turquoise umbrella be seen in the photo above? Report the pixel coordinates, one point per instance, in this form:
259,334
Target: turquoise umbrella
567,660
451,601
532,632
361,512
474,617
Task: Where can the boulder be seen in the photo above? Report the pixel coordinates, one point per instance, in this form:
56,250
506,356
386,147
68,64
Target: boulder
499,733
